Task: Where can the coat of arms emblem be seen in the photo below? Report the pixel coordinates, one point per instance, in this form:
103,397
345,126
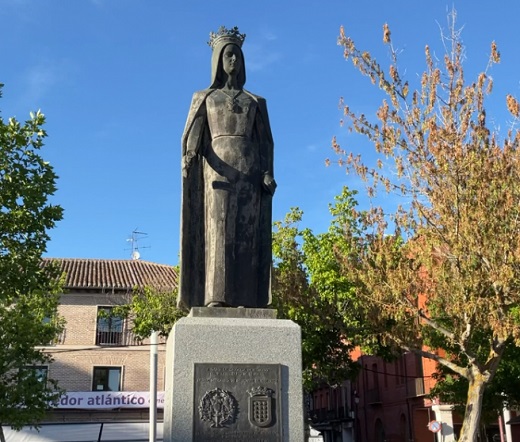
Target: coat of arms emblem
261,406
218,407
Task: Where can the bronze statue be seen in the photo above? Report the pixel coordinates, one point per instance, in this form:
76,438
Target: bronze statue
227,188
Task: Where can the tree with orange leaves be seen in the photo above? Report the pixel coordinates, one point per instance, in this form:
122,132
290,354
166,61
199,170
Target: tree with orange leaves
442,271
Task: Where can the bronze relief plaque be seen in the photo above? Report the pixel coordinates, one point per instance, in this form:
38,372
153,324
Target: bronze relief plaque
237,402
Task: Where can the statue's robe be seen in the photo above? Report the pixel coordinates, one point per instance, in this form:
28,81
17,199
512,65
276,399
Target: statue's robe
229,265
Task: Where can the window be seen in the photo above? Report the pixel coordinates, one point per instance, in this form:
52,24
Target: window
380,431
109,327
106,379
399,371
402,428
402,370
375,376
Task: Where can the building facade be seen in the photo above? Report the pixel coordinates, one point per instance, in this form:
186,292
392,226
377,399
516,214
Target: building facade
102,366
391,399
331,411
388,402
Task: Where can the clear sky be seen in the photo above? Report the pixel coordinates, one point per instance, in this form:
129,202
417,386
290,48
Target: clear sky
115,80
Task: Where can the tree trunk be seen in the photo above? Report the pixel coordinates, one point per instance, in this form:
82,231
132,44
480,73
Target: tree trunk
2,437
471,423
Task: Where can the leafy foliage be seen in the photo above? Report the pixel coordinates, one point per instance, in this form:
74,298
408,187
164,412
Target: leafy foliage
151,309
29,293
443,269
307,288
503,391
310,289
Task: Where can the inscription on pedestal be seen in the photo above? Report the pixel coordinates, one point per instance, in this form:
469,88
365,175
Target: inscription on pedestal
237,402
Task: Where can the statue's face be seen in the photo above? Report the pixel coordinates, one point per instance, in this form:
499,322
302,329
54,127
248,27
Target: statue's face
232,60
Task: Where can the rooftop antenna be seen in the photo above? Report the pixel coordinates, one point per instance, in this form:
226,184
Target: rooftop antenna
133,240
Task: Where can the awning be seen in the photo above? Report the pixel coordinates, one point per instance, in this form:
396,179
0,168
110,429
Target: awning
85,432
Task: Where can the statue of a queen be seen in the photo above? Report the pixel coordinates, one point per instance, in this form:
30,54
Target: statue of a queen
227,188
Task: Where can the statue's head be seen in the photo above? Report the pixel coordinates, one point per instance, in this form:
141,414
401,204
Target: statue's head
227,51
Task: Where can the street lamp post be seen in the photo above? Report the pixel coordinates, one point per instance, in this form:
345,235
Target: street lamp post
153,387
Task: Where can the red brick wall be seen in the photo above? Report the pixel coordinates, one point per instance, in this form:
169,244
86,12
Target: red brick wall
400,405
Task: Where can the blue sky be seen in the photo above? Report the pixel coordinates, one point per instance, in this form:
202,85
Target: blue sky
115,79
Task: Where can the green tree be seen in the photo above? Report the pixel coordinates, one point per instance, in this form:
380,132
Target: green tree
310,289
307,288
442,270
29,293
151,309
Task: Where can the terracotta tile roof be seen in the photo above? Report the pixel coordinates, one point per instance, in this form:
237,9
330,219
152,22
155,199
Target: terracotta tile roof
115,274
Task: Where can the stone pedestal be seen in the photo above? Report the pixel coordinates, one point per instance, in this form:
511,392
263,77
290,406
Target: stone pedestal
245,368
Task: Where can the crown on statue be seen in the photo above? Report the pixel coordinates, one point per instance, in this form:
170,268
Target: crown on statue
228,35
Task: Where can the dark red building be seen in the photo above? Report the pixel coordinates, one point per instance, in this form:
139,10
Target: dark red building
391,399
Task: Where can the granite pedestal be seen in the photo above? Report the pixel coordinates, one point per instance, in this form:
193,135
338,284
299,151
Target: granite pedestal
233,374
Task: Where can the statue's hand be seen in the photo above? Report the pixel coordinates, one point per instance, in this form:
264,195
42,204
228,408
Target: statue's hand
187,161
185,167
269,183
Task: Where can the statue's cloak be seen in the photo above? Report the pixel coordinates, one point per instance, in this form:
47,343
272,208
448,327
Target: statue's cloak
192,249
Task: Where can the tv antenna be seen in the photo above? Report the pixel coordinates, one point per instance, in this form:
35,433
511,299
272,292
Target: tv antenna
133,240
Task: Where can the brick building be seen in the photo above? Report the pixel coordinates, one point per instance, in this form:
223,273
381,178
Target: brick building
97,357
388,403
391,399
331,411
